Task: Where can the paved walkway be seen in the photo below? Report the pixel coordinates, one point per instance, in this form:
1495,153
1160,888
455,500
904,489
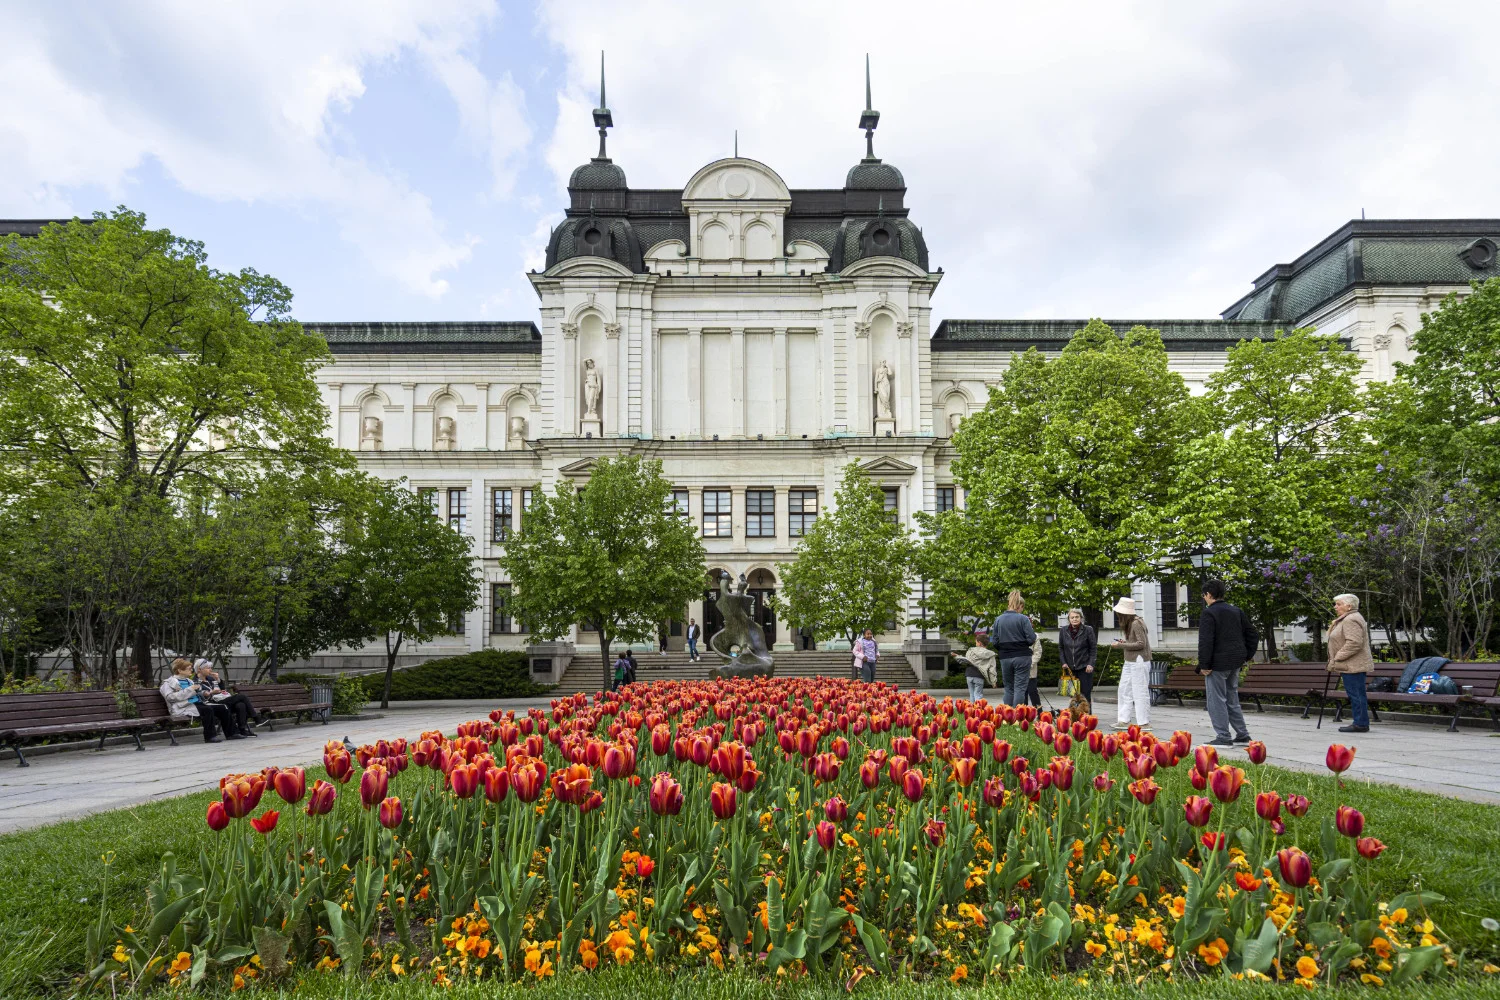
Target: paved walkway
68,785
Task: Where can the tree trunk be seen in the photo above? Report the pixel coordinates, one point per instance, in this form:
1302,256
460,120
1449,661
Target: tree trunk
1268,632
609,673
390,668
145,670
1317,633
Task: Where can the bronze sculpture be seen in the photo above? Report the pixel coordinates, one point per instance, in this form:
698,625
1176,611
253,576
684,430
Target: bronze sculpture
740,643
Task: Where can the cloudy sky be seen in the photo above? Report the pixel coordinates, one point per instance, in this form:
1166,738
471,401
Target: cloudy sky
406,160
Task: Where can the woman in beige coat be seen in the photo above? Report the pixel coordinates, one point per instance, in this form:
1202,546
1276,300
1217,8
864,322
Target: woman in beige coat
1134,693
1349,655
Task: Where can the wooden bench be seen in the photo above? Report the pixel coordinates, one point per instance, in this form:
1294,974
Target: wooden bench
1482,677
271,700
152,707
1182,678
25,717
1288,680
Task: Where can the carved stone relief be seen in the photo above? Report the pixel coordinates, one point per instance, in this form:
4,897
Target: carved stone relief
593,390
371,434
446,438
884,392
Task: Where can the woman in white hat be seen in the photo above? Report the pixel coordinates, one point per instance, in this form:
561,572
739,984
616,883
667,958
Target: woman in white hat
1134,697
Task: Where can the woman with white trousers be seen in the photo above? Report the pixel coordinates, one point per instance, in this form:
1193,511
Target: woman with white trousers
1134,697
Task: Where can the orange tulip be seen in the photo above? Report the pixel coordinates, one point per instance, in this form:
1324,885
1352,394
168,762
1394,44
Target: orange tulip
897,769
291,784
572,783
644,866
869,774
528,777
496,784
1214,841
1205,759
999,751
723,800
390,813
266,821
964,770
1145,790
1369,847
340,766
749,777
240,794
1226,782
1061,769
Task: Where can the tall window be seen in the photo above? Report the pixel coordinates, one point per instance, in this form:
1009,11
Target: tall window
525,505
946,497
458,510
680,503
499,608
892,503
760,513
1169,604
502,513
430,494
803,504
1094,618
717,507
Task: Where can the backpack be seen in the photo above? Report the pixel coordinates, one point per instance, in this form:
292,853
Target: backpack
1433,684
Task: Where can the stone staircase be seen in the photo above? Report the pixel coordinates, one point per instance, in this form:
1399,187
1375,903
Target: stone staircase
585,672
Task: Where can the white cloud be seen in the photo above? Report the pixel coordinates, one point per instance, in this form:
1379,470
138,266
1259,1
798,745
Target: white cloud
1140,159
240,102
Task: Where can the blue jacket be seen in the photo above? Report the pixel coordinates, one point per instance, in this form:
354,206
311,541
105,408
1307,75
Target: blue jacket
1012,635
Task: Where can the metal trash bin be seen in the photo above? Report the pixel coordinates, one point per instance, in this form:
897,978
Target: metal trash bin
321,693
1159,671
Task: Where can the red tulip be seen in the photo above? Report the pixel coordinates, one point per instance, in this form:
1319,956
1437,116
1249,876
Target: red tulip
1062,743
840,748
390,813
218,819
825,767
1297,805
836,809
592,801
999,751
1103,782
572,783
1296,867
1226,782
527,778
827,834
266,821
1019,766
1043,778
1029,786
661,739
1141,766
971,746
1205,759
1144,790
1109,748
936,831
1369,847
644,866
1339,758
1268,805
1182,742
994,793
729,761
1095,741
913,784
722,799
869,774
666,795
291,784
897,769
1256,751
807,742
1349,820
373,784
464,780
496,784
1044,732
1278,827
618,761
964,770
1164,755
1214,841
986,732
1197,810
749,777
1062,769
320,799
340,766
240,794
1198,778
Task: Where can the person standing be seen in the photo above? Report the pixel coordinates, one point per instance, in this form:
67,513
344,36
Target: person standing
692,639
1011,637
1134,697
1226,640
630,666
1349,656
1078,647
981,668
869,653
1033,692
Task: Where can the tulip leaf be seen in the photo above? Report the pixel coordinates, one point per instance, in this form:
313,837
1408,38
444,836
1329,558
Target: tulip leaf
1261,949
272,949
167,918
774,915
1329,838
875,944
1324,933
1419,900
347,940
1334,870
1411,964
793,948
200,966
1001,944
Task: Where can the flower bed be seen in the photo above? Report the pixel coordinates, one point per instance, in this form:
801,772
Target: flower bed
800,825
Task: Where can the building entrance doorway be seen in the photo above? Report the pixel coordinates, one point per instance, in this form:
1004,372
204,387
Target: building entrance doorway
761,585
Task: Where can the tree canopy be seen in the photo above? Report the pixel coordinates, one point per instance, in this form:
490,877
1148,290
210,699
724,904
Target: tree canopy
613,556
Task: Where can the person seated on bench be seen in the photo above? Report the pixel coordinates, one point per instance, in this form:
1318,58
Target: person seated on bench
1349,655
184,697
212,688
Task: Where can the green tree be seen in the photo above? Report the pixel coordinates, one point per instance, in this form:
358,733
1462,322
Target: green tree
1066,472
852,568
613,556
1267,484
410,575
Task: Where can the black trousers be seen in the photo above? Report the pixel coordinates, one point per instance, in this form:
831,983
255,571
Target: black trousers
240,711
213,717
1033,693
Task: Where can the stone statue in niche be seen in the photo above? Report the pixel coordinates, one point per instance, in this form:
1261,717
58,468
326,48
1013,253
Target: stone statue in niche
741,643
518,428
593,390
447,434
370,434
884,392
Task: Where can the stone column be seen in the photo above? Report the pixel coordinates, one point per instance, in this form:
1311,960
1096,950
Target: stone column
613,413
737,394
568,406
780,365
411,412
482,389
336,408
906,388
861,386
695,380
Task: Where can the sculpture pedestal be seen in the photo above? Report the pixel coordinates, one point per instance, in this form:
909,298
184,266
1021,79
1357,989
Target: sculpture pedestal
591,428
885,427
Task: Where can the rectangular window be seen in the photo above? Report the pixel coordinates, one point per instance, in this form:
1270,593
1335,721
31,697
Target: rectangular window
760,513
718,505
892,503
499,608
458,510
457,627
502,512
1169,604
1094,618
430,494
803,507
680,503
525,506
946,497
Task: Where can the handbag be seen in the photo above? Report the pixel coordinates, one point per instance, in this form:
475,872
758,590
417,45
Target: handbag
1067,685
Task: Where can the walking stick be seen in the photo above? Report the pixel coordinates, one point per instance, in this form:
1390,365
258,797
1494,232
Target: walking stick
1324,700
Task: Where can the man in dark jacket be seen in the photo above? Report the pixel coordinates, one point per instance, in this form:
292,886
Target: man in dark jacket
1226,640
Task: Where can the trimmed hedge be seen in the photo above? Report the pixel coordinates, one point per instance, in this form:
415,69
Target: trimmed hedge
488,673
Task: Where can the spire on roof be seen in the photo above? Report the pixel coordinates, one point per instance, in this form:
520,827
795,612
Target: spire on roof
736,144
870,118
602,118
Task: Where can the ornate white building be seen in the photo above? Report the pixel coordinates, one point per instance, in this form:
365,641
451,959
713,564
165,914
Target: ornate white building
756,339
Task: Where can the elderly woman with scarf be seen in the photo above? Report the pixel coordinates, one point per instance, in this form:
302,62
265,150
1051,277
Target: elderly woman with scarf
1079,648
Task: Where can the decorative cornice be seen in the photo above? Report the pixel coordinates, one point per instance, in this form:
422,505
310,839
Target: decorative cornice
905,329
612,330
861,329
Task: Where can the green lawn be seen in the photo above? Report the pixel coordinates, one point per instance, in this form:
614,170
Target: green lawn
52,881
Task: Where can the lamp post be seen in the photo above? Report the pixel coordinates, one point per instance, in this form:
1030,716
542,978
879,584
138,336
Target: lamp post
279,575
